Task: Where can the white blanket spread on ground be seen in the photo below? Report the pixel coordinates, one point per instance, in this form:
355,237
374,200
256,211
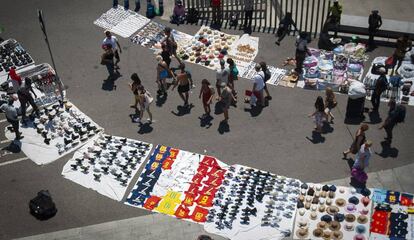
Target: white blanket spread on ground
107,164
244,51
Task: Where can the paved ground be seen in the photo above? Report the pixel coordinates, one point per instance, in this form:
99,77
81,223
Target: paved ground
158,226
276,140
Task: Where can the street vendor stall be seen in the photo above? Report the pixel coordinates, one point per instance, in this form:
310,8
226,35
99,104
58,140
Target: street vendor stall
12,54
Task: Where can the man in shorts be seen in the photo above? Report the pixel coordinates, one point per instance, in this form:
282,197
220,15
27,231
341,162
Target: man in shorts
183,82
115,45
170,43
222,76
258,84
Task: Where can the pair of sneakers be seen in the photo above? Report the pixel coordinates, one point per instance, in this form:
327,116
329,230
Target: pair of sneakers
138,120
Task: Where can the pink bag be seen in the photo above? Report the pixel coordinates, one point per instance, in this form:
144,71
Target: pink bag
359,175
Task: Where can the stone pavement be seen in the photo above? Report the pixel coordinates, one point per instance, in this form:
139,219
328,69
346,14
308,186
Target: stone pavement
158,226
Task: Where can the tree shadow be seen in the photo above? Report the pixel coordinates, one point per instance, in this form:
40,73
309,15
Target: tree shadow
161,99
374,117
316,138
206,121
183,110
145,128
109,83
387,150
224,127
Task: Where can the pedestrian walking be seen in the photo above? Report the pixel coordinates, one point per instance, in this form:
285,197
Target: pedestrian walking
285,27
113,41
319,114
11,115
183,83
359,139
248,13
374,23
15,79
380,86
222,76
107,59
403,45
267,76
134,85
163,72
207,96
170,43
145,100
126,4
216,11
396,114
233,75
258,86
26,98
301,51
227,98
330,103
165,54
363,156
334,16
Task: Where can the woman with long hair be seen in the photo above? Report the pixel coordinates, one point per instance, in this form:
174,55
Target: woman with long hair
330,103
319,114
358,140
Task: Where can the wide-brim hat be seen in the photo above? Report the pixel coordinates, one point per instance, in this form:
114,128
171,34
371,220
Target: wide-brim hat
327,235
359,237
302,233
313,215
350,218
365,201
364,211
360,229
332,210
334,225
322,208
303,223
349,226
351,208
353,200
322,225
318,232
340,202
337,235
362,219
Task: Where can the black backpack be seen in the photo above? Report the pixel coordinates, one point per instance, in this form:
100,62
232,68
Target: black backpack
400,113
42,206
192,16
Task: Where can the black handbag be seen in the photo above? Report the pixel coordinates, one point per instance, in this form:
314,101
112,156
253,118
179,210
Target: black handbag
42,206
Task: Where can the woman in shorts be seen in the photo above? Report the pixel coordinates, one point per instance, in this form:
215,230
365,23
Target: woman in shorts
145,100
136,82
227,98
207,95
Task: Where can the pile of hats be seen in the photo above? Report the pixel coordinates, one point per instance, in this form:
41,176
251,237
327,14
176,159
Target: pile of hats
328,212
250,198
65,126
115,157
12,54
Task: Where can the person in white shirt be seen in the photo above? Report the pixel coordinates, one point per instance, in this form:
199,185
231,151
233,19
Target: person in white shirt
258,84
11,115
363,156
115,45
222,76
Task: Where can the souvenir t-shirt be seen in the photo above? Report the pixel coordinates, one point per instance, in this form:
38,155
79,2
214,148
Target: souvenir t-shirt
112,40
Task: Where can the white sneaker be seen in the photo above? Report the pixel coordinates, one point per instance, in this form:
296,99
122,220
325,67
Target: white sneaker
136,120
149,120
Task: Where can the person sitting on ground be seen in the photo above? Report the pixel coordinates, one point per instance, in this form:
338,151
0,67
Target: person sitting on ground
403,45
207,95
285,27
178,16
183,82
136,82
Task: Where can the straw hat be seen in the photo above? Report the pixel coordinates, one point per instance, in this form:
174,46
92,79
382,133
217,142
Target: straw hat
317,232
331,194
327,235
322,224
302,212
322,208
362,219
337,235
340,202
313,215
328,201
350,218
332,210
307,205
302,233
349,226
302,223
334,225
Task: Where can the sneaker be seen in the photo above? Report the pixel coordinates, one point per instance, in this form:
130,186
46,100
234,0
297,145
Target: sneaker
149,120
193,86
136,120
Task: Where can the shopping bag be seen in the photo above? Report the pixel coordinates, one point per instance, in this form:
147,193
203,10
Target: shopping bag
359,175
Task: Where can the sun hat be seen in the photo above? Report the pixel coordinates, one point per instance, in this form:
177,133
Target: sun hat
331,194
325,188
301,198
322,224
340,202
326,218
302,233
350,218
362,219
334,225
360,229
339,217
301,212
307,205
315,200
332,210
351,208
313,215
359,237
303,223
342,190
364,211
322,208
337,235
349,226
321,201
317,232
300,204
308,198
353,200
327,235
314,208
328,201
332,188
365,201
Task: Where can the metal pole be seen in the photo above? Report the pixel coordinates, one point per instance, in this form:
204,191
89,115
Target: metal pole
43,27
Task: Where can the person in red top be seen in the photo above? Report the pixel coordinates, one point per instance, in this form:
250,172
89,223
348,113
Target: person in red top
216,7
207,92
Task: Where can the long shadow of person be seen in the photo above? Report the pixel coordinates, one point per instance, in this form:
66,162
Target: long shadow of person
327,128
374,117
145,128
316,138
218,107
387,150
109,83
206,121
350,162
223,127
161,99
183,110
254,110
14,147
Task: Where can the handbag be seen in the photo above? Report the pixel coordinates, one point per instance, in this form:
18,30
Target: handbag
359,175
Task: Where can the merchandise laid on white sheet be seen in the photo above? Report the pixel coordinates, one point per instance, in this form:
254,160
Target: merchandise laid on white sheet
57,131
122,22
107,164
332,212
244,51
253,204
178,183
400,86
393,215
12,54
277,74
333,68
149,35
182,40
208,47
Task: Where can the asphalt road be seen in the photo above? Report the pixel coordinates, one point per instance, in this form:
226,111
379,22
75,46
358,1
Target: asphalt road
277,140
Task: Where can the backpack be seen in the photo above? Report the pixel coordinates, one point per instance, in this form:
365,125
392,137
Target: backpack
267,75
400,111
150,11
42,206
192,16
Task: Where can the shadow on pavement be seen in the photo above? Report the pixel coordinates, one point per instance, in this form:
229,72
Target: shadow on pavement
223,127
350,162
206,121
109,83
145,128
387,150
218,108
374,118
183,110
254,111
316,138
161,99
327,128
14,147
